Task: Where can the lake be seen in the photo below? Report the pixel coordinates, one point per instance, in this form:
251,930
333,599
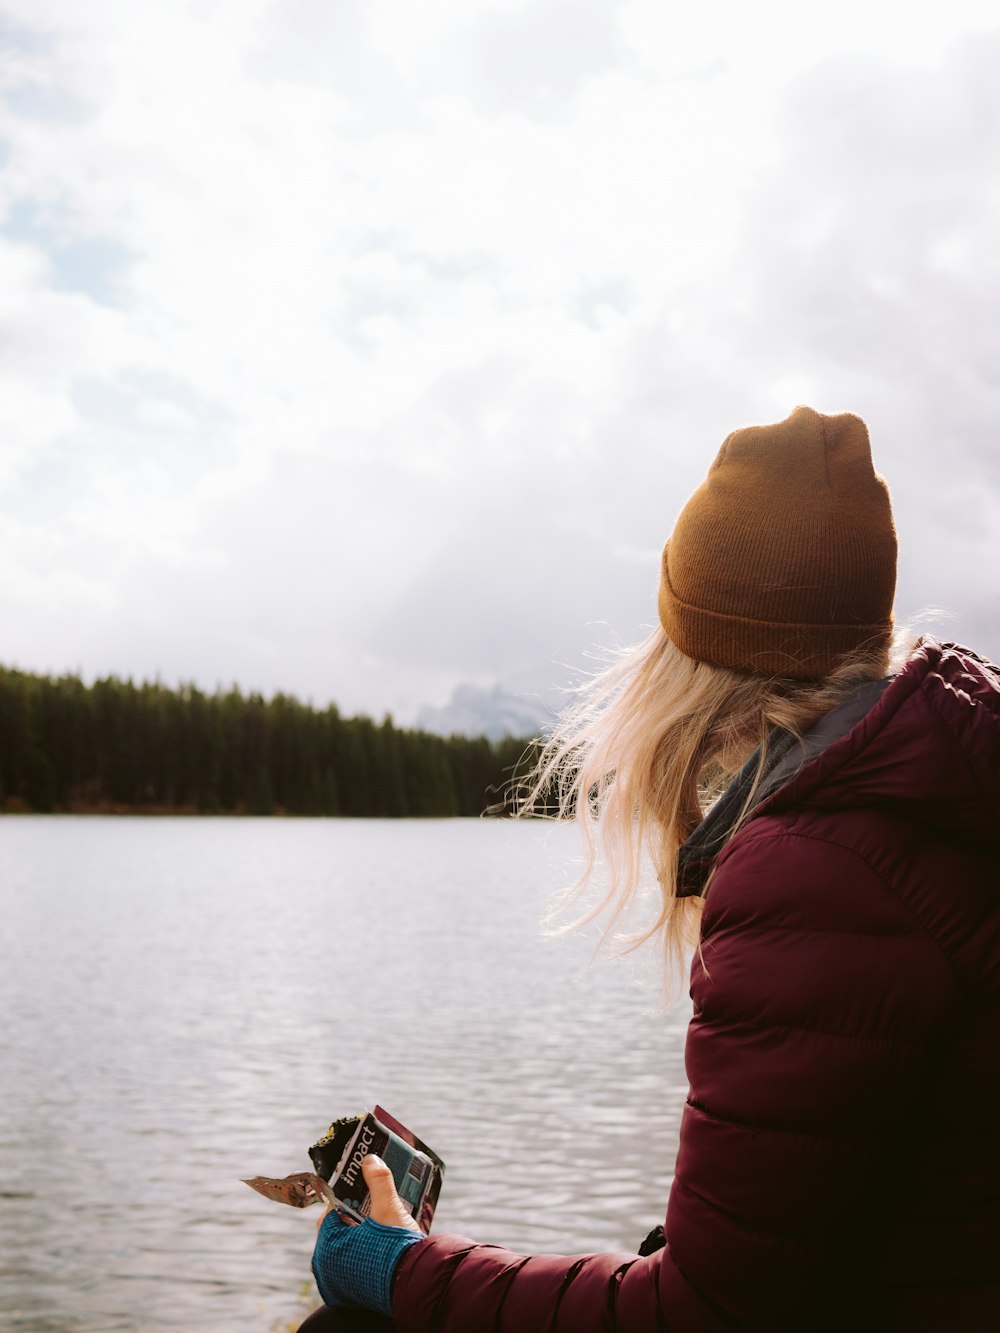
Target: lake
190,1001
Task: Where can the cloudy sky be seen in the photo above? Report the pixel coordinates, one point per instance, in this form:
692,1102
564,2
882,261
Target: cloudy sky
357,348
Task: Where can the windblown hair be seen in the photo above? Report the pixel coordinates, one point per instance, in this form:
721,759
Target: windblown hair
645,748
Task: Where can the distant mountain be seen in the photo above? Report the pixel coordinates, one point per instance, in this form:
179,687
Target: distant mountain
495,713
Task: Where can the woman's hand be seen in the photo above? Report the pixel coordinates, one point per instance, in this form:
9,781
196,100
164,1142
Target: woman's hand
386,1205
354,1262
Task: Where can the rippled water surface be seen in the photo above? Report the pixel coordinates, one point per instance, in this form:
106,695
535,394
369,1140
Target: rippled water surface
189,1001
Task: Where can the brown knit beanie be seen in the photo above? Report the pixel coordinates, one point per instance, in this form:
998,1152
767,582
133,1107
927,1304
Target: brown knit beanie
785,557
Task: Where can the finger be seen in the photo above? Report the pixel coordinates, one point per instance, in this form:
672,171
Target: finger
386,1205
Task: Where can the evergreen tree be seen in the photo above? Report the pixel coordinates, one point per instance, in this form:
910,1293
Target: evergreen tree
118,746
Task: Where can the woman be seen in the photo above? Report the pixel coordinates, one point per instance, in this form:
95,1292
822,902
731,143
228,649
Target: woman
839,1161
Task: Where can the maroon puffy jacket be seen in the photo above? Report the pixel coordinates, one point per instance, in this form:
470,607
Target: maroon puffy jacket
839,1162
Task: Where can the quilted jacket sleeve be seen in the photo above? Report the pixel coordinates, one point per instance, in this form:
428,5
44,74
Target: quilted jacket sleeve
818,1003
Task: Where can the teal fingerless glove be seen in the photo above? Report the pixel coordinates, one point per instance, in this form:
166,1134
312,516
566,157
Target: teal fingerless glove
355,1265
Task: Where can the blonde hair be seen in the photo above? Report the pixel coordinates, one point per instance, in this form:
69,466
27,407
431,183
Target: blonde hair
646,747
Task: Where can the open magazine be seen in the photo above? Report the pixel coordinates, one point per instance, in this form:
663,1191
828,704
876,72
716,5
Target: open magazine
337,1157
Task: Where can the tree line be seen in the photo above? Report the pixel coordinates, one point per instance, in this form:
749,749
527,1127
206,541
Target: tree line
114,746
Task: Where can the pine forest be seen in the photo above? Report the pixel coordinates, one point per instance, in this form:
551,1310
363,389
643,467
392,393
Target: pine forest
117,747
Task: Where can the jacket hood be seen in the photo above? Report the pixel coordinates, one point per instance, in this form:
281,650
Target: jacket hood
928,748
925,744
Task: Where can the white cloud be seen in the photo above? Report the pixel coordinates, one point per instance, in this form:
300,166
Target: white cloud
416,322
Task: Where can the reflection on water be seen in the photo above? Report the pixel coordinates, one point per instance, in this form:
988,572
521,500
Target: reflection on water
187,1002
